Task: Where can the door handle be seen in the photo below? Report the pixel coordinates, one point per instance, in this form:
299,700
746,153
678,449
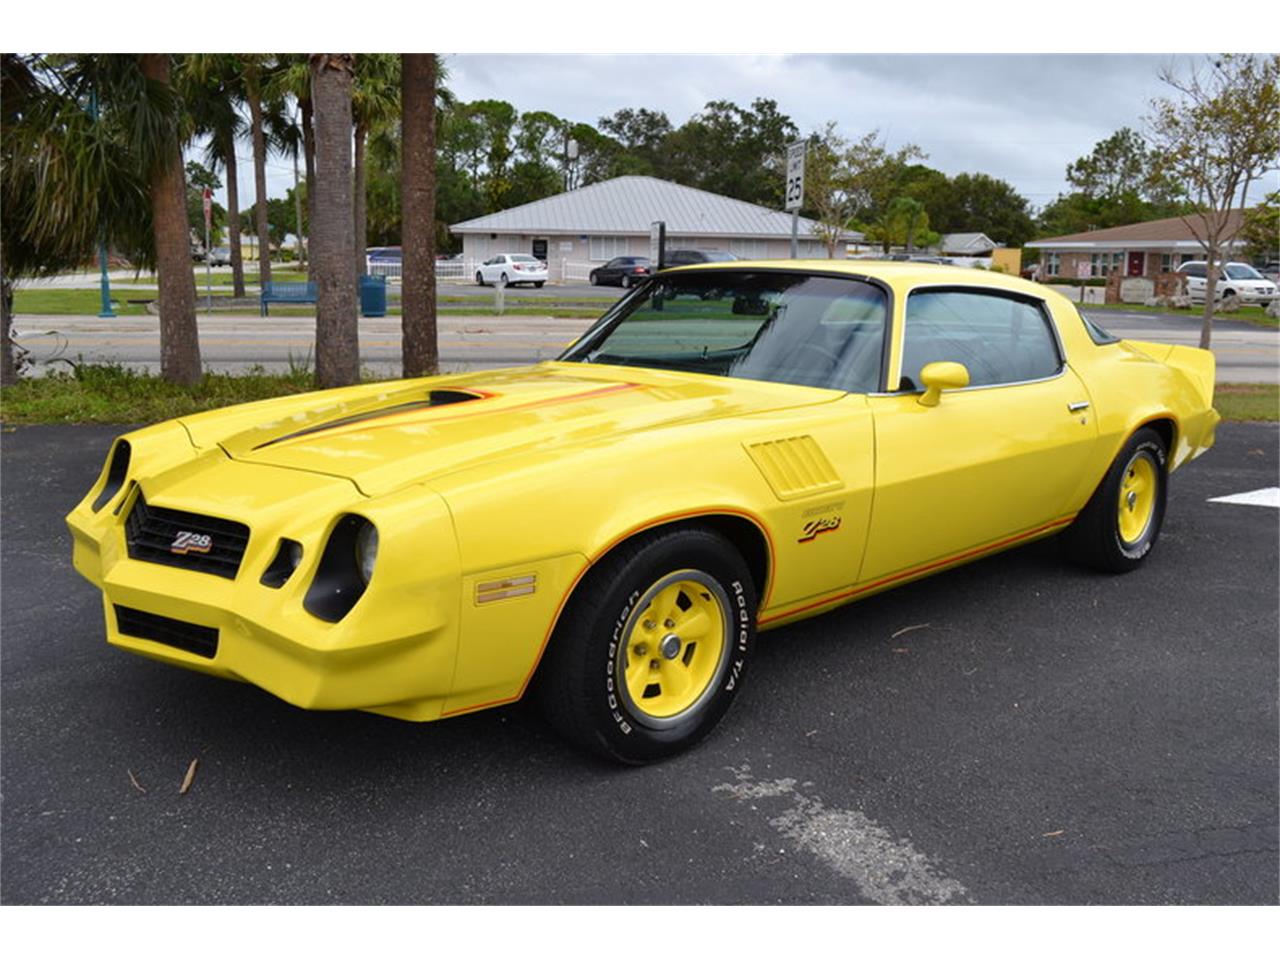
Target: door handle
1078,406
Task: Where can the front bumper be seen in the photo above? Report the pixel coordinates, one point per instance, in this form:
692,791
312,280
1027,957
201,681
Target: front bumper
393,653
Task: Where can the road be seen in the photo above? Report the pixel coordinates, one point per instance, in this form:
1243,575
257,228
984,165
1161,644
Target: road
1245,353
1017,731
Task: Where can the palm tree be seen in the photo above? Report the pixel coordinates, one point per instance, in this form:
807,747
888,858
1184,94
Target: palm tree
419,348
292,78
161,151
92,152
375,102
332,235
211,88
255,69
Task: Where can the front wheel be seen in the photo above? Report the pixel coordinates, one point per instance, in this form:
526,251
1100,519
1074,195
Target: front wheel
652,648
594,279
1120,524
479,279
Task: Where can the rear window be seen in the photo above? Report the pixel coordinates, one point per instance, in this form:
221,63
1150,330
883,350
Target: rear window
1096,333
522,258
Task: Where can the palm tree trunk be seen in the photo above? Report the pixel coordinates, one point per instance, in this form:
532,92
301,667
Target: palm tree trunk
260,182
360,212
332,233
420,354
179,339
233,213
309,158
8,369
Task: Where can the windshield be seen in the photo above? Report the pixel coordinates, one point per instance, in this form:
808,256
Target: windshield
816,331
1242,271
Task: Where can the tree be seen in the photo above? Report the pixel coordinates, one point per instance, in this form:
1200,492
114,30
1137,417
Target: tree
981,203
419,348
160,150
844,179
1216,136
1261,230
375,102
212,92
333,236
199,179
905,222
1118,165
736,151
642,135
291,78
255,69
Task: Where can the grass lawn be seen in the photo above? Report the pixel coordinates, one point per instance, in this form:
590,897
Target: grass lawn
1247,401
1250,314
110,393
55,302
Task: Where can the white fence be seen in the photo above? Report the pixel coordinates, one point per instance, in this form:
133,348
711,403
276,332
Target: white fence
451,271
575,270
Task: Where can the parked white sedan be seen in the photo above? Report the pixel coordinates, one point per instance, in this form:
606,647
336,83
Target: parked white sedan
1238,279
509,269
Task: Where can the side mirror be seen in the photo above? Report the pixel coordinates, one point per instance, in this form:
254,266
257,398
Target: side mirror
937,377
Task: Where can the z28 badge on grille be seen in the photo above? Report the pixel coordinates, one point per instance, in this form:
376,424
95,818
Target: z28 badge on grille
186,542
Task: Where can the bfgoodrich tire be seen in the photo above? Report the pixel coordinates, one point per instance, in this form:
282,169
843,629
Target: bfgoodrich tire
1119,526
652,648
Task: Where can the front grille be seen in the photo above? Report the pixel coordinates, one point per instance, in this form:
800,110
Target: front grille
153,534
191,637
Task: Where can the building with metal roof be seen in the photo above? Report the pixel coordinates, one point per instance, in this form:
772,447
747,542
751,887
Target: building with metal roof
581,228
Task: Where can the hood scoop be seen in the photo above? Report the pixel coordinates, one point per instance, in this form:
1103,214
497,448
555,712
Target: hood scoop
435,398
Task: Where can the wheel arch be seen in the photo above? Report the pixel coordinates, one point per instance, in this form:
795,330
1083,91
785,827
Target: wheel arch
745,532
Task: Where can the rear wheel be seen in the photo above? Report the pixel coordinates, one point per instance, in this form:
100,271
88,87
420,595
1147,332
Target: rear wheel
652,648
626,283
1120,524
539,283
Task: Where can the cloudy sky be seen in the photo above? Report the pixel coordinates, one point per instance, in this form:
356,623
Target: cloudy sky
1021,118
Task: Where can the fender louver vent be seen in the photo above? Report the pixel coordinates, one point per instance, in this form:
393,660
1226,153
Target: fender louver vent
795,467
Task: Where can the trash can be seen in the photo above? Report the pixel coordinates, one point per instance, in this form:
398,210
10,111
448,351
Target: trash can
373,296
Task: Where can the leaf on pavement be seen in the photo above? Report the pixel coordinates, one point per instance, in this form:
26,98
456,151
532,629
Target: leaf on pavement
134,780
914,626
191,775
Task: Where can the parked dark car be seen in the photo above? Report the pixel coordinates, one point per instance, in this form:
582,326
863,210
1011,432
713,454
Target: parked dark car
682,258
622,271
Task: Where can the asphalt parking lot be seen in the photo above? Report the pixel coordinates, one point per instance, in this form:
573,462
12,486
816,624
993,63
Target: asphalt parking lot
1016,731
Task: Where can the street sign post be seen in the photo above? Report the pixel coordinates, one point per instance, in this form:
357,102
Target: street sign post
794,194
1084,270
657,243
208,252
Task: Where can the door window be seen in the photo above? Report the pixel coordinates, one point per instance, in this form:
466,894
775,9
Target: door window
999,339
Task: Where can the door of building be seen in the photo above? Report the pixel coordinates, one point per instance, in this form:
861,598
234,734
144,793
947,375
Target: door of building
540,248
1137,264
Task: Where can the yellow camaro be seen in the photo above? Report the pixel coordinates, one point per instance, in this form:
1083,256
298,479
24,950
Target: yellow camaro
729,448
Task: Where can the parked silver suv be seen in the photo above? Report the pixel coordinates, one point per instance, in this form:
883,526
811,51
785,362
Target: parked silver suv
1238,279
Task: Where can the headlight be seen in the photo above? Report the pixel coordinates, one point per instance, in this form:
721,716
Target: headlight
366,550
344,568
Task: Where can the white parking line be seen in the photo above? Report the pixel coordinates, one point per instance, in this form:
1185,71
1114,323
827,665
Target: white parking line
1266,497
885,870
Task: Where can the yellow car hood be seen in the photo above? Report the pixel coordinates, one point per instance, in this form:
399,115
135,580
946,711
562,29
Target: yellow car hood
418,430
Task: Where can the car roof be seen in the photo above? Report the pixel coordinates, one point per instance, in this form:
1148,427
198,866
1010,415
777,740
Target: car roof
900,273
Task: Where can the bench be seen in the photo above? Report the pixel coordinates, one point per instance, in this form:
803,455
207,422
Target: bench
289,292
372,291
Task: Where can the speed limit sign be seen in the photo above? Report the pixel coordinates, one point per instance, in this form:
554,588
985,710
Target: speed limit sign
795,176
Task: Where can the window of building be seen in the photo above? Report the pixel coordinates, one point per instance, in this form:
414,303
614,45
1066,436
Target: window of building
606,248
999,339
1104,264
1053,264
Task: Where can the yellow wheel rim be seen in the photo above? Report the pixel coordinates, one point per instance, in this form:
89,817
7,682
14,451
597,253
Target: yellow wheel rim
676,649
1137,503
